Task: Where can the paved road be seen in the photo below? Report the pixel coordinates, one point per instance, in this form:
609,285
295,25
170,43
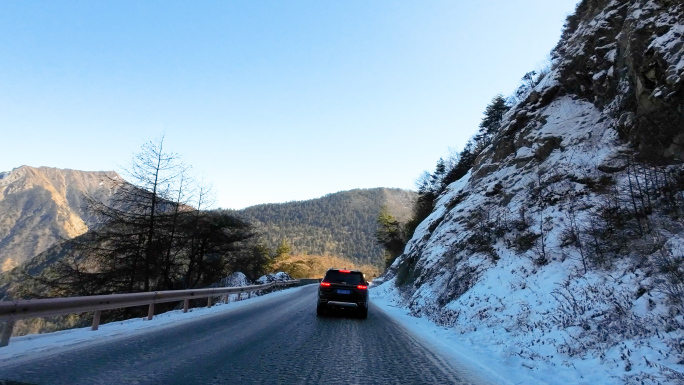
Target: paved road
278,341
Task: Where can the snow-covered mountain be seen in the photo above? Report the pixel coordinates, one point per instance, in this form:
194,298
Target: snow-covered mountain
563,247
40,207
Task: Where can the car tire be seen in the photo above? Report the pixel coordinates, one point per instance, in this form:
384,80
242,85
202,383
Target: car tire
363,313
320,310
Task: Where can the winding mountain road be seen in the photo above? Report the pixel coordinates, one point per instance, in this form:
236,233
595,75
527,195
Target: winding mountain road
274,341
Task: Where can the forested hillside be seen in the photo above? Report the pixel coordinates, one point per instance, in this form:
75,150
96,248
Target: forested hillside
341,224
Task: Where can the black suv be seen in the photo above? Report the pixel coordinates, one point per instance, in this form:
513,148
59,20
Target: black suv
343,288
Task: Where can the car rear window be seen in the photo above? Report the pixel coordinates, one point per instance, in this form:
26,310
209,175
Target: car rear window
348,278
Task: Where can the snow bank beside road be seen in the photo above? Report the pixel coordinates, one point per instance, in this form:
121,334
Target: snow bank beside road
448,343
484,351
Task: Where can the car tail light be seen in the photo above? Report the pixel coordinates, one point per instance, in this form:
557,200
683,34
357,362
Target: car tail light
362,287
325,284
345,271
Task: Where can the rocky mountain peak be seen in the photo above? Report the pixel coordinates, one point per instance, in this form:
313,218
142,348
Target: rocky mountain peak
42,206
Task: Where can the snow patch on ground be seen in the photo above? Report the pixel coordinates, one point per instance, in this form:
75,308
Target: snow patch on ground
279,276
461,352
491,353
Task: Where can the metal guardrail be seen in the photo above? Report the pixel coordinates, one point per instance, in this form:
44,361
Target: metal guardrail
11,311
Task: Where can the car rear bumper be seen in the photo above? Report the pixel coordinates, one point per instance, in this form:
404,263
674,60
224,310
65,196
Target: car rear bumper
344,302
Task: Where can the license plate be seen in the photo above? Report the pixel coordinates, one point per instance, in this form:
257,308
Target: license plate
343,291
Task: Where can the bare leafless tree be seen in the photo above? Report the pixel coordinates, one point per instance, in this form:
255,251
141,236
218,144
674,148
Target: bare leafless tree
156,234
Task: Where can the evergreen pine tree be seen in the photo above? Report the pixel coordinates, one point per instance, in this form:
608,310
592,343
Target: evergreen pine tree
437,178
284,249
390,234
491,123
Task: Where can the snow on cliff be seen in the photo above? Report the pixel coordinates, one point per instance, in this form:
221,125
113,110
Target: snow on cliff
558,250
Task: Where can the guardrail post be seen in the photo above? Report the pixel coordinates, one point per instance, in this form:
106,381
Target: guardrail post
208,301
150,311
186,305
96,320
225,298
7,333
249,295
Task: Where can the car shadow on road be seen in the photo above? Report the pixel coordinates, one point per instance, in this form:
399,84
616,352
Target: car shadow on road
341,312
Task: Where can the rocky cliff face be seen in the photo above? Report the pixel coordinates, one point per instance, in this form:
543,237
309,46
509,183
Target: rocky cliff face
40,207
626,57
566,241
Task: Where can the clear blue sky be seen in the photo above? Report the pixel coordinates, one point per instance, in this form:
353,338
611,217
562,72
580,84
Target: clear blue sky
271,100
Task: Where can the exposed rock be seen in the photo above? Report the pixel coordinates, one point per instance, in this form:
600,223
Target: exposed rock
628,57
546,146
548,95
676,149
43,206
615,163
534,97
